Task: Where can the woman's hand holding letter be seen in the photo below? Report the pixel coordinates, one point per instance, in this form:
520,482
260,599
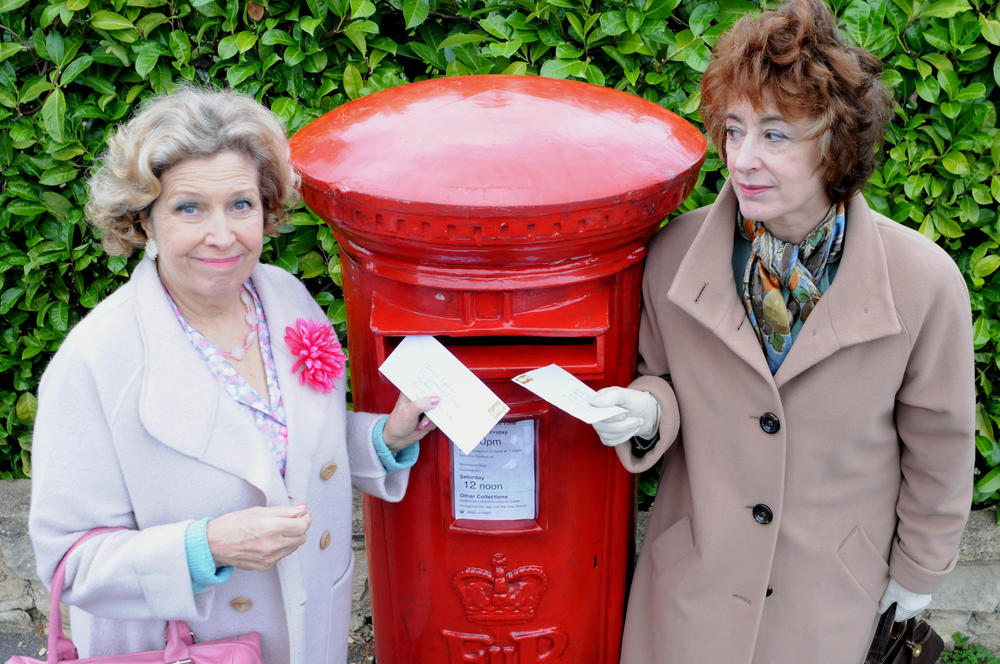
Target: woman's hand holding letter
642,418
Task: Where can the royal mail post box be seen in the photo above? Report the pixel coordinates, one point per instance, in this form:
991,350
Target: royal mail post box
508,217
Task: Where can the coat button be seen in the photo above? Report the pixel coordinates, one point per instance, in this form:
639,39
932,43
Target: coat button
327,471
762,514
324,541
241,604
770,591
770,423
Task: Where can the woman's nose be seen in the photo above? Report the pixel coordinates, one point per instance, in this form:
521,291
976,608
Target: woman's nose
743,157
219,228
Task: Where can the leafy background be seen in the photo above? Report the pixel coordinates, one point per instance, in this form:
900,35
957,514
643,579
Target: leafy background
71,69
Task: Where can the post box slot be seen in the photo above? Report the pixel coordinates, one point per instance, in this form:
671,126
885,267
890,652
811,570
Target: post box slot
499,356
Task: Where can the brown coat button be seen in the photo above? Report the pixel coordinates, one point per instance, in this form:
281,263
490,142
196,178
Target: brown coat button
241,604
327,471
324,541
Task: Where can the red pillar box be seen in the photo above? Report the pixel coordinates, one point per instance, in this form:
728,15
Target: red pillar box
508,217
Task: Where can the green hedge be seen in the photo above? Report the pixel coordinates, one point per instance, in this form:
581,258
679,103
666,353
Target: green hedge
71,69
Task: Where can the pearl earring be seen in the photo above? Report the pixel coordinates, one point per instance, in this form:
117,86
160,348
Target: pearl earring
152,251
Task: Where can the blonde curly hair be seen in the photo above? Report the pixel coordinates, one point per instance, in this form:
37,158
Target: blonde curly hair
189,123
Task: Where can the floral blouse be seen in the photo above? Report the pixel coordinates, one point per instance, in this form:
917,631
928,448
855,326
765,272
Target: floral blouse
269,419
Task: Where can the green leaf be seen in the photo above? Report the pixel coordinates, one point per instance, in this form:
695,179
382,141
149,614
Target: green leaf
59,175
8,49
951,109
986,266
239,73
288,261
9,298
945,8
59,316
26,407
956,163
352,81
228,47
56,47
946,226
971,92
613,23
990,30
35,89
53,114
518,68
310,24
246,40
311,265
415,12
105,20
990,482
459,38
356,31
275,36
75,68
145,62
11,5
150,22
563,68
180,46
361,9
702,16
633,19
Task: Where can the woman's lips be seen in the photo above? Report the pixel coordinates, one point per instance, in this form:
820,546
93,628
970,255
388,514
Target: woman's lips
753,189
220,262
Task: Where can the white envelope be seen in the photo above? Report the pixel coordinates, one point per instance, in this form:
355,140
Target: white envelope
421,366
565,391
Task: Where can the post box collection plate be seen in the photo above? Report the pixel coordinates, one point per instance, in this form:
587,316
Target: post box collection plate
507,216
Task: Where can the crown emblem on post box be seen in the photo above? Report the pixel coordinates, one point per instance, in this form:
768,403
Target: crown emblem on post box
499,596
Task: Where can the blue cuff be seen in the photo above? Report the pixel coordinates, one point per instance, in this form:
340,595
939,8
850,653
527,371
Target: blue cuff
201,565
403,459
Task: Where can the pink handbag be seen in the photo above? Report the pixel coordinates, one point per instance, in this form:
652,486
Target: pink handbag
180,646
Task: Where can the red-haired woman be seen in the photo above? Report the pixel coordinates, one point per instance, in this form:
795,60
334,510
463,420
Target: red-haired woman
806,376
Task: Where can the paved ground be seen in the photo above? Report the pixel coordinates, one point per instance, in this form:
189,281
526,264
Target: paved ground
21,643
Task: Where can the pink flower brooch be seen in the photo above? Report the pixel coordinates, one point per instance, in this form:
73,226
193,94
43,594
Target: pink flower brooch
319,354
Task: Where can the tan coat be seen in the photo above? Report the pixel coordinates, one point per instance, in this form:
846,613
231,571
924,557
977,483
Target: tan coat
868,474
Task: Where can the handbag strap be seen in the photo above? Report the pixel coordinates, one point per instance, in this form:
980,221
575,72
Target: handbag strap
61,647
883,636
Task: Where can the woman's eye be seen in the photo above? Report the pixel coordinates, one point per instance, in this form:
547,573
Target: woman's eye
242,205
774,136
187,208
731,133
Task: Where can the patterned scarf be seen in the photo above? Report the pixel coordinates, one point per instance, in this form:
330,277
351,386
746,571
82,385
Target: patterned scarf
780,280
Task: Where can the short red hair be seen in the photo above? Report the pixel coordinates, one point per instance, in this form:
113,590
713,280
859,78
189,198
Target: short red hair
794,58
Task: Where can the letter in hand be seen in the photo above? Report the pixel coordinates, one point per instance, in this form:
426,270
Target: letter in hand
258,537
642,418
407,422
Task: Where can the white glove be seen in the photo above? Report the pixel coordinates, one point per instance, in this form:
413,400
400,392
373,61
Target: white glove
642,418
908,603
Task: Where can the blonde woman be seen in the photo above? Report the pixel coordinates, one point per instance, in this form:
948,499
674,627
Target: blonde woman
201,407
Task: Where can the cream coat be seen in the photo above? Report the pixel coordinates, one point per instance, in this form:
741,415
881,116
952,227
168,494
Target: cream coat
133,431
869,474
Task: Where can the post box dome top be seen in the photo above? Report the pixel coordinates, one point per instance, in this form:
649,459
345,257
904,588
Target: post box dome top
492,143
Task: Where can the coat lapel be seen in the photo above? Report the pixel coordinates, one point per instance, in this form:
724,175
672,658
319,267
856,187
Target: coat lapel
704,287
183,406
857,307
305,407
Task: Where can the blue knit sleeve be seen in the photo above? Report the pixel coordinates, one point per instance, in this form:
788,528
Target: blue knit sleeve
392,463
201,565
